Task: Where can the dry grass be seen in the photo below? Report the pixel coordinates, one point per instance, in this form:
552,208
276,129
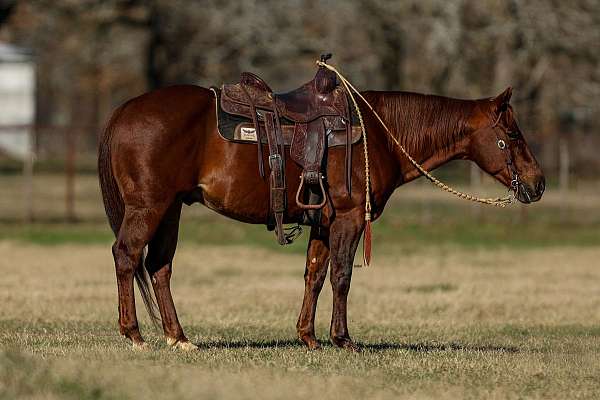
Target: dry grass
437,323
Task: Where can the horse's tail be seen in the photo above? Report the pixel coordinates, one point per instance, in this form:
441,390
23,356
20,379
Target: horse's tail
115,211
113,202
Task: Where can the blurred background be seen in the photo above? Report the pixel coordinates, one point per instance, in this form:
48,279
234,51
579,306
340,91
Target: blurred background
66,64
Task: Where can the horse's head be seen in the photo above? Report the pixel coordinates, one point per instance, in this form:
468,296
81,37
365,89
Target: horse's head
499,148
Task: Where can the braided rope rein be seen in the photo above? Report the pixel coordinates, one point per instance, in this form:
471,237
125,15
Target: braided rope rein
497,202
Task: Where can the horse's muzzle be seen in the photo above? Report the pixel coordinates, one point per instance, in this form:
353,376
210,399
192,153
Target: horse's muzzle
529,193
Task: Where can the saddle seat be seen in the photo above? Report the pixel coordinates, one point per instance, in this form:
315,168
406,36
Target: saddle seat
315,109
317,98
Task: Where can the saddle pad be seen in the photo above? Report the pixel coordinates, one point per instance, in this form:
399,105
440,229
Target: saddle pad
240,129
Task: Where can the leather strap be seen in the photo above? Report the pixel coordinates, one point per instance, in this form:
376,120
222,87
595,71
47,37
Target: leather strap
279,136
314,150
277,179
349,151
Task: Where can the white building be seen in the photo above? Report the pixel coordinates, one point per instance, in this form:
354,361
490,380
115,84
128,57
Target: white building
17,100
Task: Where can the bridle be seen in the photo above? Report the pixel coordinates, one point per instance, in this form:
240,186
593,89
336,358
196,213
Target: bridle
503,146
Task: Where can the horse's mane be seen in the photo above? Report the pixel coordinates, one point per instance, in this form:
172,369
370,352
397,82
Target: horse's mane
423,122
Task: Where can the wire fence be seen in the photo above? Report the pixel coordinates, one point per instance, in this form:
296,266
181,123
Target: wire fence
35,152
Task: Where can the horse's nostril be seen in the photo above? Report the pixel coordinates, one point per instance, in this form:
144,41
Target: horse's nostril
541,186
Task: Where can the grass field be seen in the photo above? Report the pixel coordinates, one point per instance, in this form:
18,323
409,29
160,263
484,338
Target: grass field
459,303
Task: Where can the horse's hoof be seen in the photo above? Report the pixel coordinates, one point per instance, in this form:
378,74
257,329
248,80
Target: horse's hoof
186,346
141,346
311,342
183,345
346,344
313,346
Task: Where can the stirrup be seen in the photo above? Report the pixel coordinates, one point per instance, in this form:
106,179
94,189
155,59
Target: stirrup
311,206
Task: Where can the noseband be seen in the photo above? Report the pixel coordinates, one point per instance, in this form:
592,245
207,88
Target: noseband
503,146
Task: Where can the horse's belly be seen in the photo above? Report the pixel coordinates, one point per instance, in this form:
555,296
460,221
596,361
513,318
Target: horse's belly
242,205
245,203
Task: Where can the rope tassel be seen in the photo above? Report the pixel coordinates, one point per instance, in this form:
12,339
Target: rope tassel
367,243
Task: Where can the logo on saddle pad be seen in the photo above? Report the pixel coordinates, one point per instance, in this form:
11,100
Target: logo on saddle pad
248,134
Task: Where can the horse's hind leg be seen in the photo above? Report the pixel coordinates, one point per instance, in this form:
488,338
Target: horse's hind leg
137,228
317,261
159,264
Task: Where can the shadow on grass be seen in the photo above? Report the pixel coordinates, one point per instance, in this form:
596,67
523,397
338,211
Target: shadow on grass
269,344
375,347
432,347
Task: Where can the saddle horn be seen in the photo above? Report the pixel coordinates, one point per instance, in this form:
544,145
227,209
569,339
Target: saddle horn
325,57
325,80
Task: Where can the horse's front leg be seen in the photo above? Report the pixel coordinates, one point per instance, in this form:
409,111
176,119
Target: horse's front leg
317,261
343,240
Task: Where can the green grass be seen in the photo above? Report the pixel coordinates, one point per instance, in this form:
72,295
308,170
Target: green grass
53,233
403,226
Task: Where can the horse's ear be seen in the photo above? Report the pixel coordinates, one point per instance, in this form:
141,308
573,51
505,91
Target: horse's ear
503,99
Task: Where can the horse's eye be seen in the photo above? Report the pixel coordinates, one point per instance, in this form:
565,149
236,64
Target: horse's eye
513,134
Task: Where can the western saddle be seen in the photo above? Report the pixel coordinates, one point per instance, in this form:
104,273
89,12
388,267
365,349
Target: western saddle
315,109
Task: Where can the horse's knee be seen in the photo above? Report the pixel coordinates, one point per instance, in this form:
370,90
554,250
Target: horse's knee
341,285
340,281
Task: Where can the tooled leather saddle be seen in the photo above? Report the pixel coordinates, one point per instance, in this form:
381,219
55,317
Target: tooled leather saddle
315,111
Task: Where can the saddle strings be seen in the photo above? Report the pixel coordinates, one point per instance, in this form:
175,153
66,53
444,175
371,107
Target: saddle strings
497,202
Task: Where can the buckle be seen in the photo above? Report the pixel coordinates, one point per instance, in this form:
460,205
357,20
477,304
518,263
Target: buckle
514,183
273,158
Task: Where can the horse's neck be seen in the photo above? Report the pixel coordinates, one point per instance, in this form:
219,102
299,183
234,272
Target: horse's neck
429,161
428,150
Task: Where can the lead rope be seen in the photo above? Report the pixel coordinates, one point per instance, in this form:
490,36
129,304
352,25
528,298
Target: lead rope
497,202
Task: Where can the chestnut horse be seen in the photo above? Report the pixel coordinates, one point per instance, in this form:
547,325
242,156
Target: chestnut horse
162,149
